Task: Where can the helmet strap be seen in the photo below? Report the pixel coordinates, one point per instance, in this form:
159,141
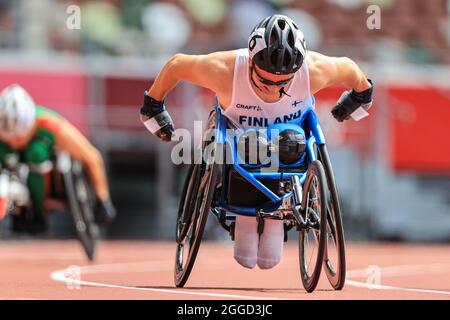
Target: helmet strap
251,78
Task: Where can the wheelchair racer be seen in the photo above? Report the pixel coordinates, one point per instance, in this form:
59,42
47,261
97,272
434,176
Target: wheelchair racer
32,134
271,80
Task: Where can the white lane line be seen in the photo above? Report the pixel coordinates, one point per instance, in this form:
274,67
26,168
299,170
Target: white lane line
142,266
359,284
61,276
139,266
405,270
155,266
400,270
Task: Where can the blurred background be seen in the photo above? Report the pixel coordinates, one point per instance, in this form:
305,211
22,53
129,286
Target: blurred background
392,169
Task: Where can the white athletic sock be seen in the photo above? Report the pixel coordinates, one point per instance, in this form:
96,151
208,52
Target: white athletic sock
246,241
271,242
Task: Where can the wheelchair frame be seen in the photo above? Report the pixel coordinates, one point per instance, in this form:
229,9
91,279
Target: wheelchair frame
305,212
220,207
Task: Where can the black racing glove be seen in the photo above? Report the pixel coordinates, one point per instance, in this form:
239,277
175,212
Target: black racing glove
105,212
156,119
352,100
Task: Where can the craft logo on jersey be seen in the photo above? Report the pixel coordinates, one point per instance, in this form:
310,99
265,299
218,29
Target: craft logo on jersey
248,107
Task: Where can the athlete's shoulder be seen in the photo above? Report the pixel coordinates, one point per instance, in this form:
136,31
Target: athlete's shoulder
224,56
316,60
223,60
220,66
319,68
320,62
42,112
48,119
204,66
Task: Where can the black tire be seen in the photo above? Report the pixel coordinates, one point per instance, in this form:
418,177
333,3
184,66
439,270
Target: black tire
334,258
192,216
314,198
81,203
186,205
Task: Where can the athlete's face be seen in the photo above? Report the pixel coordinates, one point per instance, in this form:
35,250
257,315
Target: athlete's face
17,141
269,83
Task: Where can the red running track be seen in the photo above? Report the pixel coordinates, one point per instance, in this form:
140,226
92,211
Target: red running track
144,270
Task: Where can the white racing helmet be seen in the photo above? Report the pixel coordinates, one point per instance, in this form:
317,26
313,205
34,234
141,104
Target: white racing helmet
277,45
17,111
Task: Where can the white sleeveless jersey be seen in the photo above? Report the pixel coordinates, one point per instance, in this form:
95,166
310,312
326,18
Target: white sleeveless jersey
248,110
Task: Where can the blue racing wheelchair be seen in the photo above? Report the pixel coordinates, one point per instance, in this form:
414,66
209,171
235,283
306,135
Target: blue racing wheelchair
301,192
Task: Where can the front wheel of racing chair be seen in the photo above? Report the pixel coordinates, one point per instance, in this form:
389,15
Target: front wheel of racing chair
194,207
334,257
81,201
312,229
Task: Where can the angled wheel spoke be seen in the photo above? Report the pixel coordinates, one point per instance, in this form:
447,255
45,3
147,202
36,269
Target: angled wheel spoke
334,260
200,197
313,237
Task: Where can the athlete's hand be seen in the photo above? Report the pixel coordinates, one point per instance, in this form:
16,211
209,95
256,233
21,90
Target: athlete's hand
351,101
105,212
156,119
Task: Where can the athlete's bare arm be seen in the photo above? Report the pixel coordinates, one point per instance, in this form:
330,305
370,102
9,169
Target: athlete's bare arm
212,71
69,139
327,71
